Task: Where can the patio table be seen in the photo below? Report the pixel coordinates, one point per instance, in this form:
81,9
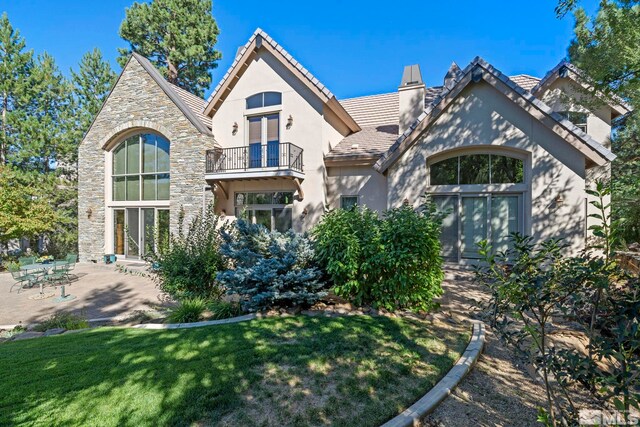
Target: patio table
43,267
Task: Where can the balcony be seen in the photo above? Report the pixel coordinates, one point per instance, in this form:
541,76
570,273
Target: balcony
255,161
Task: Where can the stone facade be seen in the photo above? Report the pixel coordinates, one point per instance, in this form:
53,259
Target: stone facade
137,104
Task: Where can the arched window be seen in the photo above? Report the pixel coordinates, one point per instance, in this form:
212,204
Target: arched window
264,99
477,169
141,168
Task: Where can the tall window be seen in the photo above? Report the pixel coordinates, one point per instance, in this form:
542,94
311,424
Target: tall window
264,141
141,169
477,169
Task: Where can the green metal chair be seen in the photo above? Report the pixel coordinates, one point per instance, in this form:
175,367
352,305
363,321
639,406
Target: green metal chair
26,260
22,279
59,273
71,263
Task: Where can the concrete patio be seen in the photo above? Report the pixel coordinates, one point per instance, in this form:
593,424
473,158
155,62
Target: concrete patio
101,291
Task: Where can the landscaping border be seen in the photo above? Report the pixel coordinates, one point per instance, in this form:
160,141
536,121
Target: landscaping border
427,403
237,319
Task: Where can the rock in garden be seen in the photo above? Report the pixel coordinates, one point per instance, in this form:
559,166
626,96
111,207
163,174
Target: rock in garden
27,335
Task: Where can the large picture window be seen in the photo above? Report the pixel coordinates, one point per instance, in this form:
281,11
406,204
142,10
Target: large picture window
270,209
141,169
477,169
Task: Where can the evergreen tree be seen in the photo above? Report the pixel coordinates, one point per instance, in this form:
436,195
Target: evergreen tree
15,71
607,47
92,84
177,36
47,141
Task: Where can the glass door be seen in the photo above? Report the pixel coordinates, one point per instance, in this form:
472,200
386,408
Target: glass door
133,232
449,231
148,230
473,224
505,219
118,231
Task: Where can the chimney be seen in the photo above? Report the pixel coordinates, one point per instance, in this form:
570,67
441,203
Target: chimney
410,96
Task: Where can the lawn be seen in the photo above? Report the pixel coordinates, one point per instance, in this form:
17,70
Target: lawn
357,370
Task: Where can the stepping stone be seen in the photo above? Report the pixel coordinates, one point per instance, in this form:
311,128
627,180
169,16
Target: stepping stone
28,335
54,331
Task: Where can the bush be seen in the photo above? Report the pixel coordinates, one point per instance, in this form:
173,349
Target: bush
393,262
270,269
66,321
189,310
186,265
224,309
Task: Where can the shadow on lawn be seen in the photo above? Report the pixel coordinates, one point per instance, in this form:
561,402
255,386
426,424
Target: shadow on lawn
206,375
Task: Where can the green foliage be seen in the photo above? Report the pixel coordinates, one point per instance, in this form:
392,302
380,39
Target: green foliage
531,285
347,244
625,180
177,36
188,264
224,309
270,269
92,84
393,262
63,320
25,210
606,47
16,64
189,310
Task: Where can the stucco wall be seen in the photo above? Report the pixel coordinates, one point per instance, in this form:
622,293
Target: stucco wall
136,104
482,116
314,129
364,181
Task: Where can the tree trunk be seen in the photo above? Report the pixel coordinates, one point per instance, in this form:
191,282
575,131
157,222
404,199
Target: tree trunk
172,77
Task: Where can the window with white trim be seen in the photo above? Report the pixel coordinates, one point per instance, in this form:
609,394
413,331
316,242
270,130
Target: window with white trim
141,168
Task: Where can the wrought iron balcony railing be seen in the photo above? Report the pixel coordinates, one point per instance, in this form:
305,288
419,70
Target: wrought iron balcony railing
270,156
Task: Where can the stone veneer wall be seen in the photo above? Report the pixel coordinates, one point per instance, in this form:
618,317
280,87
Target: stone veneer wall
137,102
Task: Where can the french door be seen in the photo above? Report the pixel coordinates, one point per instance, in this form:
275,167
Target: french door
264,141
138,231
471,218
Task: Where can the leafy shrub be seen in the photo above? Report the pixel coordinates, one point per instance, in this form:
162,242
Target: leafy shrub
531,284
189,310
270,269
224,309
186,265
393,262
66,321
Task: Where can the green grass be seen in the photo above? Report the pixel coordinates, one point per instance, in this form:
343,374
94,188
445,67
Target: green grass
277,371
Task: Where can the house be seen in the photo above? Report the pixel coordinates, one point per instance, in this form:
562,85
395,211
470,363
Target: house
273,145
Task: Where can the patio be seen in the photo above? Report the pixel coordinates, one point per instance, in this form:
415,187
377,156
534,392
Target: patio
101,291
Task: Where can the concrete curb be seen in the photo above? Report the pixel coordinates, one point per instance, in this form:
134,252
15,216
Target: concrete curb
427,403
194,324
238,319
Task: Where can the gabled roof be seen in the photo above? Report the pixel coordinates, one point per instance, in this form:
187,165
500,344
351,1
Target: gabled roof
172,93
566,69
525,81
479,70
194,102
261,40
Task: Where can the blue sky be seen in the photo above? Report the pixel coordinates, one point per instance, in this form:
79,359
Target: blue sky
354,47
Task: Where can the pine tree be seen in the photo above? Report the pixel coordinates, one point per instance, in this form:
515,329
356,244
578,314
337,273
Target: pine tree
15,71
92,84
48,138
177,36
